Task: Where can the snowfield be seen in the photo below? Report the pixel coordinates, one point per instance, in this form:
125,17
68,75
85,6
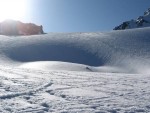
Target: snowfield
28,90
76,72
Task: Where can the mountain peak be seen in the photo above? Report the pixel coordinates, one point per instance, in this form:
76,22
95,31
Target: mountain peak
141,21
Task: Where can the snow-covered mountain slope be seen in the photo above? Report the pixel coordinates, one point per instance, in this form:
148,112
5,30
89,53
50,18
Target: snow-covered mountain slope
76,72
141,21
117,51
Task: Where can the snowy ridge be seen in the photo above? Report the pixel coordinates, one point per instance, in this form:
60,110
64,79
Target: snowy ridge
141,21
116,51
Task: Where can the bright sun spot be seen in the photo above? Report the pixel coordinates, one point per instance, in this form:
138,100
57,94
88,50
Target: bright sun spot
13,9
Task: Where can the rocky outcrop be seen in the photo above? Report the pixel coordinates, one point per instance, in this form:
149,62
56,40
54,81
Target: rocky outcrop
141,21
12,27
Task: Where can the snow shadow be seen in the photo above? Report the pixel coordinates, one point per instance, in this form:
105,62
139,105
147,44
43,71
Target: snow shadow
53,52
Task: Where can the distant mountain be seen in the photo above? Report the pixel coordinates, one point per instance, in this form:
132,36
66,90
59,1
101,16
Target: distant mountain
141,21
13,27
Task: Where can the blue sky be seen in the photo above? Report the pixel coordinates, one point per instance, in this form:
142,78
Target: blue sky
83,15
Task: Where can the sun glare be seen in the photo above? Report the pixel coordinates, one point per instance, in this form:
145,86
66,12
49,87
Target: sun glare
12,9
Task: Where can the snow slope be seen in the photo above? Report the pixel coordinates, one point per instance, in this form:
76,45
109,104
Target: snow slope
76,72
117,51
36,91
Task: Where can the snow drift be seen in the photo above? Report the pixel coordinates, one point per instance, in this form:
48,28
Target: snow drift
117,51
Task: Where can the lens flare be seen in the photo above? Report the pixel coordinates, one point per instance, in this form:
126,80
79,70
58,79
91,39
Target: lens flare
13,9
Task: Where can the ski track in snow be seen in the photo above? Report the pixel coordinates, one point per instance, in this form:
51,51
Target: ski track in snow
36,91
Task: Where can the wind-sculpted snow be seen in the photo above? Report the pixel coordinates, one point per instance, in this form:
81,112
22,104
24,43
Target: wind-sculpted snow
52,52
126,51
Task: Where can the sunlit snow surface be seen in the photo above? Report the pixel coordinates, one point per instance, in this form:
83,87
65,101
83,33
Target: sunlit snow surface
76,72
